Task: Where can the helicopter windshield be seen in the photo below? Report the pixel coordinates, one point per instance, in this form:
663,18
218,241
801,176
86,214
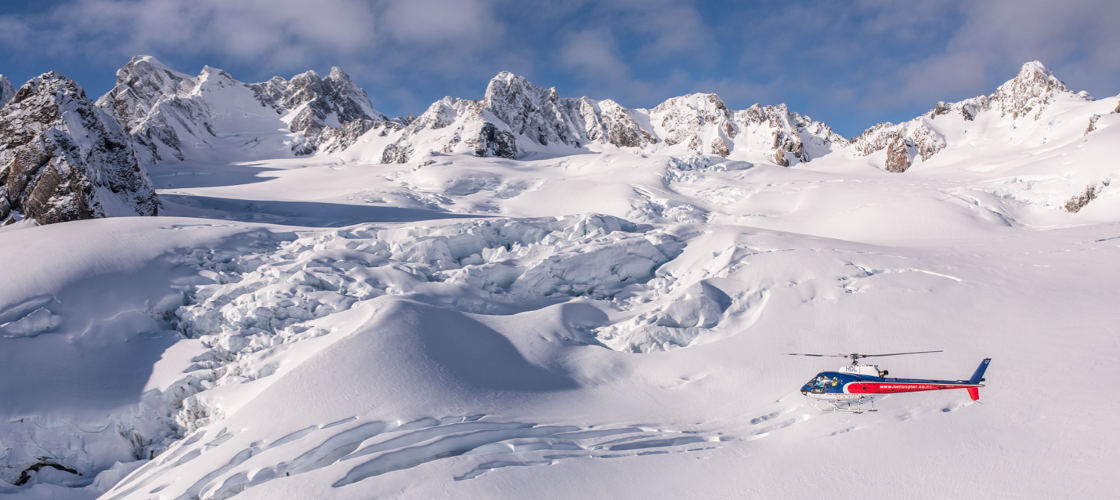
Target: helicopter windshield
821,380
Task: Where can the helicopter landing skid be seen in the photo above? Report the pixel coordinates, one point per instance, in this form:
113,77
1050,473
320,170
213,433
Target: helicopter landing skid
861,405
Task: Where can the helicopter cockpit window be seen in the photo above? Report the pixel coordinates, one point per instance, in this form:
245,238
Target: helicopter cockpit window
819,381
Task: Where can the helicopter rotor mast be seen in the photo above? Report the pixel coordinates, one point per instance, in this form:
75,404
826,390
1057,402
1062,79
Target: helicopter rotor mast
855,356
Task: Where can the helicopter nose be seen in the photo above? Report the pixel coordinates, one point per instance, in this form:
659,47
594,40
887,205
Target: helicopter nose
804,391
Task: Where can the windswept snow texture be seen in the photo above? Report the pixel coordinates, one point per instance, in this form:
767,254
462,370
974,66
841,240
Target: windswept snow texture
471,305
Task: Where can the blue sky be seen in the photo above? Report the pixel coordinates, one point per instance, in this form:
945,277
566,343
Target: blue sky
850,64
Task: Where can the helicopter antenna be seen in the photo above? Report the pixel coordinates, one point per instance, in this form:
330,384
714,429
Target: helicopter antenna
855,356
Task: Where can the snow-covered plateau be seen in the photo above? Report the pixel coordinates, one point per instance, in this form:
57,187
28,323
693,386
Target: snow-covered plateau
529,296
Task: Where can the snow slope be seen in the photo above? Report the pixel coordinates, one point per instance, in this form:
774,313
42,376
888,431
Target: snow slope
595,323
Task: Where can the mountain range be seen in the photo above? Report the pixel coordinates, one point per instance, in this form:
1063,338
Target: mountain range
172,116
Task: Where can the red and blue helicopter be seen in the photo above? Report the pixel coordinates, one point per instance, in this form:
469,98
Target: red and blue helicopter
852,385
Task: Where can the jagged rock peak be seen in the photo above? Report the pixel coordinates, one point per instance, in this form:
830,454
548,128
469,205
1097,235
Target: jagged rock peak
62,158
329,112
532,111
1031,90
7,92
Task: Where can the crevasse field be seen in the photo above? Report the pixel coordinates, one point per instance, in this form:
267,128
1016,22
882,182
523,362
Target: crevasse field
597,324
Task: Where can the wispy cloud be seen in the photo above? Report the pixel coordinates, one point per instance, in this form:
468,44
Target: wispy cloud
846,62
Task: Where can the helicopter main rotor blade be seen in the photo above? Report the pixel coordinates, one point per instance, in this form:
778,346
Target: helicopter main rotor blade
896,354
818,355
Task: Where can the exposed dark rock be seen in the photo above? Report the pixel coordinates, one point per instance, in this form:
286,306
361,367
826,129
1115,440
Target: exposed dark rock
1078,201
26,474
1092,123
494,142
397,152
898,156
63,159
719,147
780,158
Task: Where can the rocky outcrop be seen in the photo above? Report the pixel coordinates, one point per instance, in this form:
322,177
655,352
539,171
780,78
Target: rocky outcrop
62,158
1092,123
171,115
1079,200
898,155
903,142
6,90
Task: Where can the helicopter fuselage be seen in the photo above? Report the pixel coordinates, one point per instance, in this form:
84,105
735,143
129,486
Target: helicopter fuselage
849,384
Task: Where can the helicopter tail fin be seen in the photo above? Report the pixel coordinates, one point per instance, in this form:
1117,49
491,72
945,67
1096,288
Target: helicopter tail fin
974,392
979,375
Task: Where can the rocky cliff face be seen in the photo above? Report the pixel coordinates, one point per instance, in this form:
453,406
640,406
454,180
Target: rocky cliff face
1023,98
6,90
62,158
171,115
154,105
516,116
329,112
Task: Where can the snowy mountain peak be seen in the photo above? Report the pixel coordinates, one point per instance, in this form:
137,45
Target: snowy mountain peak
62,158
699,121
173,116
1018,103
142,65
530,110
523,117
6,90
1030,91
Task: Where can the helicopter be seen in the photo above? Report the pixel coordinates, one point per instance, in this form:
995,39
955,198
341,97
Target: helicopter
853,385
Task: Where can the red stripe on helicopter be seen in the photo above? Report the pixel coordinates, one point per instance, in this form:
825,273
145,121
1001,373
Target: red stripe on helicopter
889,387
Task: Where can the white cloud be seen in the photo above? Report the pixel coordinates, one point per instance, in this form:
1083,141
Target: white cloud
1077,39
439,21
594,54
